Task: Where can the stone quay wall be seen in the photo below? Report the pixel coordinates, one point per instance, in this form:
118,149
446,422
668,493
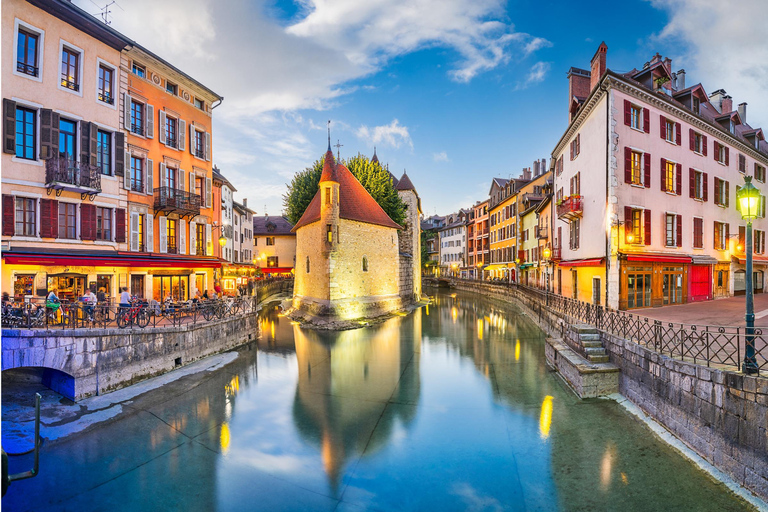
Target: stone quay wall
721,415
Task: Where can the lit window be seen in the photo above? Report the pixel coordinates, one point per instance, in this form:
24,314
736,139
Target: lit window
70,61
670,177
637,170
26,53
105,85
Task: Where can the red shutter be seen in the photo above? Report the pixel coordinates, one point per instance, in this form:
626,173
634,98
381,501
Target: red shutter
678,134
627,113
714,237
705,186
726,156
691,183
646,120
647,227
627,165
572,144
46,207
727,194
716,154
663,170
727,234
717,190
87,222
679,178
679,230
647,169
8,215
120,225
692,139
663,127
628,223
704,145
578,144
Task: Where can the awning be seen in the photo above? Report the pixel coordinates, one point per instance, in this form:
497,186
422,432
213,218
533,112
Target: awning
110,259
497,267
276,270
760,260
660,258
703,260
525,265
588,262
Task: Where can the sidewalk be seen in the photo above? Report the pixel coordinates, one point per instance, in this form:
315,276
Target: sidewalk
728,312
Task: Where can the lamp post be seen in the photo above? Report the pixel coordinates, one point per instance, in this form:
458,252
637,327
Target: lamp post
749,202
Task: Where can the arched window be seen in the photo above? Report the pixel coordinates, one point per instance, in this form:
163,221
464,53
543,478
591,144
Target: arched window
307,264
365,263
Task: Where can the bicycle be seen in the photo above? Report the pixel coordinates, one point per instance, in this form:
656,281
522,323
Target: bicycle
135,313
56,314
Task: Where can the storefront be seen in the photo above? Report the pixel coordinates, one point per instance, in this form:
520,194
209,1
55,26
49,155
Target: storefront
582,279
700,282
653,280
738,267
238,279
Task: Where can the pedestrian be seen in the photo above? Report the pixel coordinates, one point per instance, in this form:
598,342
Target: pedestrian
101,295
125,300
205,295
89,300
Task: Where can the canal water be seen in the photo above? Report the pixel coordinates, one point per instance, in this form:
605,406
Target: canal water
449,408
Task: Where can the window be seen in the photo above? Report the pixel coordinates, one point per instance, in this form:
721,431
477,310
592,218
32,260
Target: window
574,233
199,185
637,169
199,144
200,240
171,132
634,231
26,120
670,129
105,85
171,88
141,232
576,147
103,223
722,154
67,139
104,152
673,224
697,143
721,236
329,233
139,70
721,192
26,53
670,170
328,195
271,240
698,183
698,233
636,121
742,164
170,179
26,216
575,184
171,234
137,117
70,66
272,262
759,242
696,105
137,174
759,173
67,220
200,104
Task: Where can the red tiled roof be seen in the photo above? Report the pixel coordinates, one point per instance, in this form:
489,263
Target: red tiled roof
355,202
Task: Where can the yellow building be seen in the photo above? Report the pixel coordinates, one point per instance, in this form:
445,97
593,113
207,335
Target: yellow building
346,251
531,247
274,245
502,223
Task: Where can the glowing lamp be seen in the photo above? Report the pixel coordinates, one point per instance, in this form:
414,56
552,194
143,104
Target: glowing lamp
222,240
255,261
630,237
749,199
547,253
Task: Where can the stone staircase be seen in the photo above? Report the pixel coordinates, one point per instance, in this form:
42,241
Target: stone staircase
589,339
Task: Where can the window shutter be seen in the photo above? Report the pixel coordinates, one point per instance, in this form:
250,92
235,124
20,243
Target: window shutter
727,194
208,243
742,163
183,135
678,135
95,144
120,225
692,138
627,165
646,120
150,181
742,235
46,207
207,146
762,208
182,236
679,178
647,226
571,145
163,182
163,234
134,238
627,113
718,196
192,237
663,174
208,202
627,223
647,169
192,184
578,144
663,127
727,159
714,237
120,162
149,236
9,126
127,175
49,133
192,138
738,205
87,222
149,125
182,179
704,145
127,111
8,215
727,234
161,126
679,230
716,154
705,186
691,183
85,142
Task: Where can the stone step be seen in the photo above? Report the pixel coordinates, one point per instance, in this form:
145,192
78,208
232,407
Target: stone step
591,343
585,329
598,359
595,351
589,336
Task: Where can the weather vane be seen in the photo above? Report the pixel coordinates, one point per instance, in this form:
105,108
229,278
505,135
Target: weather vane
337,146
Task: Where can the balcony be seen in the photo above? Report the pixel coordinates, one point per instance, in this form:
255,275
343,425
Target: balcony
171,142
556,254
200,153
25,68
62,173
137,129
570,208
541,232
69,83
106,97
171,200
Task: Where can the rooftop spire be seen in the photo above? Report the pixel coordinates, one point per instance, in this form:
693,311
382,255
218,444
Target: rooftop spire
329,135
375,158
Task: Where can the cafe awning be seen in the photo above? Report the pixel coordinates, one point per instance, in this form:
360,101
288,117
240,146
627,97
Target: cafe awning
586,262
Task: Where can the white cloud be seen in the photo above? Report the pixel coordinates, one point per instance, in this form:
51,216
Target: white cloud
537,73
393,134
440,157
723,46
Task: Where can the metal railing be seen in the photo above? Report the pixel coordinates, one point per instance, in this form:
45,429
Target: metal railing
173,198
541,232
570,207
69,83
106,97
138,129
27,69
171,142
64,171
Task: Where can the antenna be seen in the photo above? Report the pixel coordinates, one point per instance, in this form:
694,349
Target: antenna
106,11
329,135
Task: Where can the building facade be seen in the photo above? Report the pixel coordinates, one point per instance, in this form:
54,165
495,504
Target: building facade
530,247
274,245
478,247
453,244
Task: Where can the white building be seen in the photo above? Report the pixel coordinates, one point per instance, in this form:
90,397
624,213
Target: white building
453,244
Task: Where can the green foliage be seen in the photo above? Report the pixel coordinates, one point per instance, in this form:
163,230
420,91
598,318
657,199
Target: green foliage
372,176
425,236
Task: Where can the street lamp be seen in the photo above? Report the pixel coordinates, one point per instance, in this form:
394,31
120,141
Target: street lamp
749,201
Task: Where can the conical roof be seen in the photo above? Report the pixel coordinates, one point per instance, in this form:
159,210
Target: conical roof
375,158
404,183
329,167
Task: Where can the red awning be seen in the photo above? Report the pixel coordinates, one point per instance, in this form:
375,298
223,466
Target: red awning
111,260
755,259
588,262
277,270
660,258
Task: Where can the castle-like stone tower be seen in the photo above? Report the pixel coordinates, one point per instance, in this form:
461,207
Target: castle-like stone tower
410,242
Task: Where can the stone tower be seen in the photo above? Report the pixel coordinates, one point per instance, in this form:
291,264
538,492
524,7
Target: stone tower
410,242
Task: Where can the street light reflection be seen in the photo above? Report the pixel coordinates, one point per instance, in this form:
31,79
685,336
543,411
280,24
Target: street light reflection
545,420
517,350
224,438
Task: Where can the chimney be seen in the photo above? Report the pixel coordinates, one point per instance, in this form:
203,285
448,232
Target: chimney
578,87
681,80
656,58
668,65
527,173
245,202
716,99
597,66
543,165
743,112
535,167
727,105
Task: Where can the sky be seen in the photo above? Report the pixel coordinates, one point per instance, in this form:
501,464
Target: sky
454,92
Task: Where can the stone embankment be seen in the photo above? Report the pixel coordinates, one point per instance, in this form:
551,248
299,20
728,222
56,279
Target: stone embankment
722,415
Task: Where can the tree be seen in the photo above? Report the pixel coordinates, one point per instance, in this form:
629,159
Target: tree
371,175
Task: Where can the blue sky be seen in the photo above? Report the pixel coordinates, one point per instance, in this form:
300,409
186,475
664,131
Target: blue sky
454,91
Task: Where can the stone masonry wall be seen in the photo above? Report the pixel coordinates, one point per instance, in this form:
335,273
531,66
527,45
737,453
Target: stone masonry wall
410,249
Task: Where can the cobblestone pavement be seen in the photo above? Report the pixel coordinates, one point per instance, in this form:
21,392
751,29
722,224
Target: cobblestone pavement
729,312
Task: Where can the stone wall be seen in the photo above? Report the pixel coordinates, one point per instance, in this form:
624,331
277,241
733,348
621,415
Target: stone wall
410,249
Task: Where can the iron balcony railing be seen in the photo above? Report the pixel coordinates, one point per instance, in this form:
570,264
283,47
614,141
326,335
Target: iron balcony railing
172,199
570,208
106,97
541,232
64,173
137,129
200,153
69,84
171,142
27,69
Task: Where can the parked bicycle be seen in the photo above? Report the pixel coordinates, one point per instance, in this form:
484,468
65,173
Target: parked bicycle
137,313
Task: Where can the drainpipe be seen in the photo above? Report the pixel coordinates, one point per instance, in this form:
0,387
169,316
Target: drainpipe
607,184
221,100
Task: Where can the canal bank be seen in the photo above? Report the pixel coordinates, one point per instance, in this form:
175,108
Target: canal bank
721,415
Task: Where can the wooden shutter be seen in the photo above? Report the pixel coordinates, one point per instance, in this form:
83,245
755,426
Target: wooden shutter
182,179
742,236
647,169
85,142
95,144
183,135
87,222
742,163
663,127
727,234
679,230
704,145
727,158
705,186
691,183
127,111
134,237
727,194
149,124
192,185
49,209
9,209
572,145
627,165
663,174
718,196
163,234
161,126
149,236
150,181
627,113
208,242
162,176
120,225
679,179
647,226
678,134
646,120
715,238
738,205
207,146
692,139
9,126
192,237
578,144
182,236
127,172
49,133
192,138
208,202
627,223
120,162
716,154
